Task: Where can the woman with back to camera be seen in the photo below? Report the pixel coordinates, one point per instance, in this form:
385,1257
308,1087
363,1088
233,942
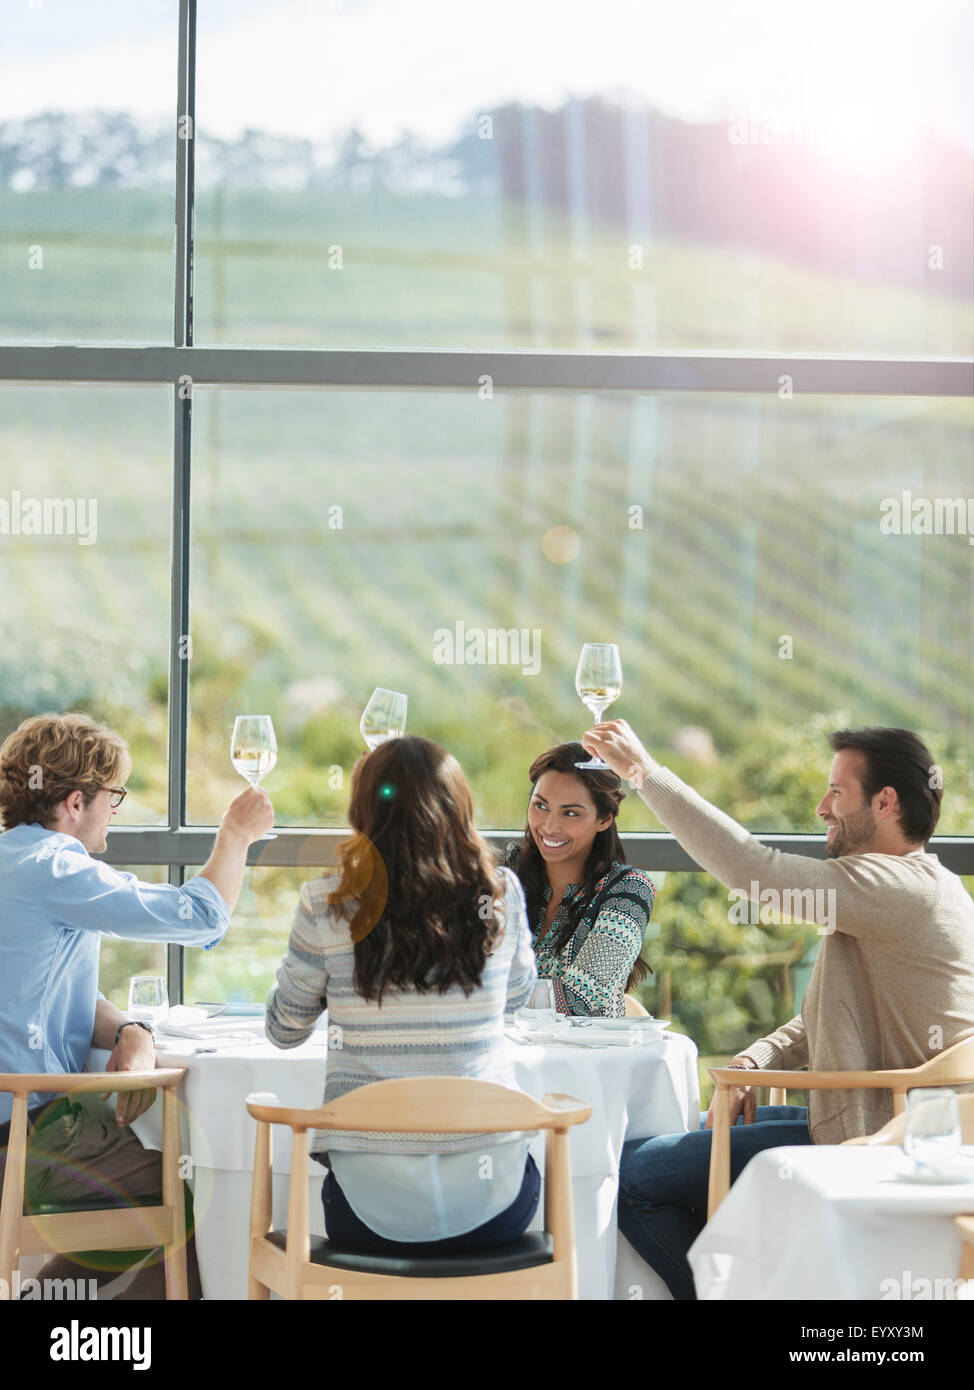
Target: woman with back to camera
587,908
417,947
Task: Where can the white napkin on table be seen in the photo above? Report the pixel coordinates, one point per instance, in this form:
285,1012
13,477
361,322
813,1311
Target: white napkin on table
214,1042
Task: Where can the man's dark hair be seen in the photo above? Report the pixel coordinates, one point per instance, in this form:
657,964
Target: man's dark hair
898,759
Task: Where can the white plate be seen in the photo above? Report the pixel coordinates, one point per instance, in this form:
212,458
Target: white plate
960,1170
936,1179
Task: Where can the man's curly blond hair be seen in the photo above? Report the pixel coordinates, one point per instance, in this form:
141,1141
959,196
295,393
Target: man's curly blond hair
51,755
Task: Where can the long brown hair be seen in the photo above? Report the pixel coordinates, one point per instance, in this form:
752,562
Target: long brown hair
605,789
418,885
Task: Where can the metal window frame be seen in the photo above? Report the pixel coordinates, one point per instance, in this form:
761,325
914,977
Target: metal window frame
183,364
314,847
754,374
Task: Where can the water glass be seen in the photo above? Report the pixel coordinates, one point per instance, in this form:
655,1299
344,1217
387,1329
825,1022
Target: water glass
148,1000
543,996
933,1132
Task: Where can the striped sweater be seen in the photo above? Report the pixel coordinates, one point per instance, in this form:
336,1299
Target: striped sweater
409,1033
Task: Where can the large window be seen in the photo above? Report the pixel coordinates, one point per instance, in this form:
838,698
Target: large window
748,595
662,339
550,176
87,174
85,497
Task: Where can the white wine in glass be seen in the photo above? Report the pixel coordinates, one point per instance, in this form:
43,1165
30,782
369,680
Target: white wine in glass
253,749
598,681
384,717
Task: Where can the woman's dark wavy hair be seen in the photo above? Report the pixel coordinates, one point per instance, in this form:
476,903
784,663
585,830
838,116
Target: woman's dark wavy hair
419,887
605,789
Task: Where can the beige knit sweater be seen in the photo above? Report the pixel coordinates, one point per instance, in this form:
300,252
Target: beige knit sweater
893,983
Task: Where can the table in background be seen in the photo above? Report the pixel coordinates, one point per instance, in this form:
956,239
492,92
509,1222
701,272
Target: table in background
635,1093
826,1222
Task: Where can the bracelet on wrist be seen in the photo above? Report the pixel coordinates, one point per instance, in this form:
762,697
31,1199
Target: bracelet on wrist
134,1023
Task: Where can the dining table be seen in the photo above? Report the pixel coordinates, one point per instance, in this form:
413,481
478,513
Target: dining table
836,1221
639,1081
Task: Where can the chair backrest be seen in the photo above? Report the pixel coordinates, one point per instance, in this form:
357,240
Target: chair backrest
965,1229
123,1229
952,1067
67,1083
431,1105
634,1009
893,1131
954,1064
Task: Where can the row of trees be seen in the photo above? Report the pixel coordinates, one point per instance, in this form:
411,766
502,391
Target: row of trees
621,166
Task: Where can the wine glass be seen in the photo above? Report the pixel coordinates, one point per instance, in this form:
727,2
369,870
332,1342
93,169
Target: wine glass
253,749
148,1000
598,681
384,717
933,1133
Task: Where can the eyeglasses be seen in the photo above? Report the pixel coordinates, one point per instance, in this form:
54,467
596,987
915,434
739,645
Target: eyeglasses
116,796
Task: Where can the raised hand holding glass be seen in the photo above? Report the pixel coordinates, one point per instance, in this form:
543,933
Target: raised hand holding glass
598,681
253,749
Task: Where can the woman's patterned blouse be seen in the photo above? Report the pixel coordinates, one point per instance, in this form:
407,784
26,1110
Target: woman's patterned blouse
591,970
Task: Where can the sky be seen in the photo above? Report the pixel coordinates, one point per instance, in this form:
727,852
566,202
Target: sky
874,71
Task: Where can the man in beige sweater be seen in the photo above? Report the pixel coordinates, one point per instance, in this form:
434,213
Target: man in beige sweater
893,983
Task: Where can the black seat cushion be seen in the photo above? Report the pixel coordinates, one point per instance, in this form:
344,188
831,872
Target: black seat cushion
535,1248
92,1203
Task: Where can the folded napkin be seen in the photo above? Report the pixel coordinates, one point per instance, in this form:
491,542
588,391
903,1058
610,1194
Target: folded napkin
210,1027
208,1042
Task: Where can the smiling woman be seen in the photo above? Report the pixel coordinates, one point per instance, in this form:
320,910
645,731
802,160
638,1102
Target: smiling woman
587,908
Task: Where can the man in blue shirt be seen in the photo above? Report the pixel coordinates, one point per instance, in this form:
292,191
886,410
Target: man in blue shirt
61,781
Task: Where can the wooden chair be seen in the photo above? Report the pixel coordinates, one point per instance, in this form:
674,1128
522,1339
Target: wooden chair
893,1130
953,1067
540,1265
634,1009
80,1225
965,1228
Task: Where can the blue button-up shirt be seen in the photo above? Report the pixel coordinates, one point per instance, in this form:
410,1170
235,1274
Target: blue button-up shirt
56,902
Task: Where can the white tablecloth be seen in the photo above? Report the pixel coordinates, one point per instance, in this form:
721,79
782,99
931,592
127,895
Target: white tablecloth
635,1092
826,1222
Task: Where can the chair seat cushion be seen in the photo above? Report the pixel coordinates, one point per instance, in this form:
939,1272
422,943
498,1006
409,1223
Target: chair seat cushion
535,1248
